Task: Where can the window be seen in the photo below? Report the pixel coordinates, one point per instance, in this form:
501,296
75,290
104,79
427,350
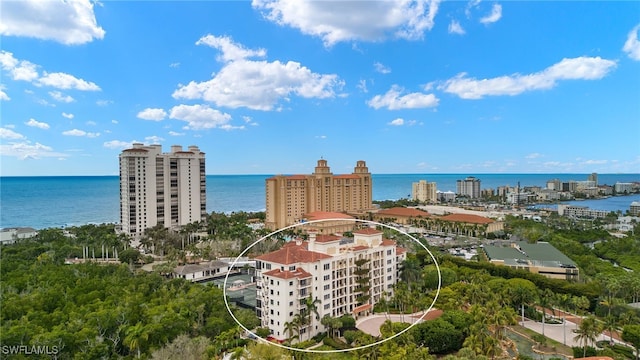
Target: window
326,306
327,266
326,287
327,277
290,293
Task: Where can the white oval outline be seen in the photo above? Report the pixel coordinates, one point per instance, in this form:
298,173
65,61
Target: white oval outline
226,302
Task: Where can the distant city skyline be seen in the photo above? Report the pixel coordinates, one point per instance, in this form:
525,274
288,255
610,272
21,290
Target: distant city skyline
269,87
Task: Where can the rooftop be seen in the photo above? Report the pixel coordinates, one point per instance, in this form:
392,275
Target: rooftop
402,211
292,253
538,254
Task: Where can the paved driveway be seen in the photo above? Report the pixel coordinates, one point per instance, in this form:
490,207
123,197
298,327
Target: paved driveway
371,324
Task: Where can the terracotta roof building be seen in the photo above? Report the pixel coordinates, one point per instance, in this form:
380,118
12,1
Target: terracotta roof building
400,215
290,198
324,268
464,223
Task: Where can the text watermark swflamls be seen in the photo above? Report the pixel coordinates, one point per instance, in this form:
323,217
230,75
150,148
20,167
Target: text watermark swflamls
29,350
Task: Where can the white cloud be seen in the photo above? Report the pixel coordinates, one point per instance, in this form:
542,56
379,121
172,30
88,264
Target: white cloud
69,22
19,69
632,45
114,121
362,85
104,102
58,96
581,68
249,120
91,123
393,101
66,81
321,137
456,28
495,15
258,85
199,117
38,124
397,122
174,65
76,132
381,68
174,133
230,50
153,139
533,156
338,21
152,114
25,150
117,144
68,116
229,127
10,134
3,95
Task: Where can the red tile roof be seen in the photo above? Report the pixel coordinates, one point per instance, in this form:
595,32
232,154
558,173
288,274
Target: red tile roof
286,274
134,150
387,242
320,215
368,231
360,247
293,253
400,250
402,211
467,218
361,308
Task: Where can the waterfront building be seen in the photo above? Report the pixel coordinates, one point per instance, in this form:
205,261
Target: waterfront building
464,222
290,198
329,222
538,258
593,177
161,188
424,191
469,187
622,188
634,208
340,276
554,184
202,271
446,196
574,211
11,235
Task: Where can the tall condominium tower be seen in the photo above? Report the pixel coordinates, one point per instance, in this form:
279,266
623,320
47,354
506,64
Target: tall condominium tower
424,191
290,198
469,187
161,188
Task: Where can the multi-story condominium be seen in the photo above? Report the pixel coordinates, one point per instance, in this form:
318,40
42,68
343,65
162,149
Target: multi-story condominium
634,208
593,177
581,212
290,198
469,187
161,188
554,184
622,188
424,191
446,196
339,275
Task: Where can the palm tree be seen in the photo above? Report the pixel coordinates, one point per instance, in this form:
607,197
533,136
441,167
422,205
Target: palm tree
587,332
610,323
135,337
410,271
545,302
290,327
311,309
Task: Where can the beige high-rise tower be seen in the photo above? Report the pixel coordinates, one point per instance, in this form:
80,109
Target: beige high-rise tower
161,188
289,198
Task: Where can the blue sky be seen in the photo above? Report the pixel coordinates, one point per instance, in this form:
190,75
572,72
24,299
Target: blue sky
268,87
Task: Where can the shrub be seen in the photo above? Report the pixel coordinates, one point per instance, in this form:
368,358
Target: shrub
338,345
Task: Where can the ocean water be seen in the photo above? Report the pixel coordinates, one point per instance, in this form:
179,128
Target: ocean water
43,202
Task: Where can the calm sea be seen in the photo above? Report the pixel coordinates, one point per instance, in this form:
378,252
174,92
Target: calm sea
43,202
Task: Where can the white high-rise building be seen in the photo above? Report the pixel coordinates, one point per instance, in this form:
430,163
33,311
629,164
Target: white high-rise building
161,188
341,275
469,187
